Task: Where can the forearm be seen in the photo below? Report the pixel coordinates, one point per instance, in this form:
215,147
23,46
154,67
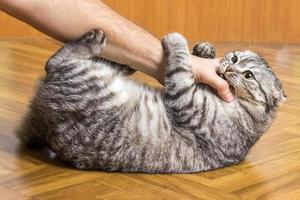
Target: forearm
130,44
67,20
127,43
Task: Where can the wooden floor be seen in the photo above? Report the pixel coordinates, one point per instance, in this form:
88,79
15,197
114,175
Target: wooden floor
270,171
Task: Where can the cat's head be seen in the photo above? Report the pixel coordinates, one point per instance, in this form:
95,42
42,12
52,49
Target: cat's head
251,78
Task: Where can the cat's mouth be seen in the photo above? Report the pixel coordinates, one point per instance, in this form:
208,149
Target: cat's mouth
221,73
222,76
231,87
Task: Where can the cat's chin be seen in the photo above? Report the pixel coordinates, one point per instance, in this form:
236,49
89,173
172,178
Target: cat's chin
231,87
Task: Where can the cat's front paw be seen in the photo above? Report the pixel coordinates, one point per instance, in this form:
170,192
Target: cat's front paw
204,50
173,40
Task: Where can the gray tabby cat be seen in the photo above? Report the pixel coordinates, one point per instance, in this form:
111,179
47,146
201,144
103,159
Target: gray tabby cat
93,116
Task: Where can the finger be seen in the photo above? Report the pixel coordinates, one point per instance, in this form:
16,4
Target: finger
221,86
216,62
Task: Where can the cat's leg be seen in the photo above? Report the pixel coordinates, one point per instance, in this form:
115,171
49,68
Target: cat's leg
76,77
179,80
88,46
204,50
62,68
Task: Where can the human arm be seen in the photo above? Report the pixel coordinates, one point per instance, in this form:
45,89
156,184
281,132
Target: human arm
127,43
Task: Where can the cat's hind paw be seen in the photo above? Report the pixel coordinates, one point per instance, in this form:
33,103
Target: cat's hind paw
204,50
95,40
95,36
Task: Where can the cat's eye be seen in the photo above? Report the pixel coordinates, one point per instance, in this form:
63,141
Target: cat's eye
234,59
248,75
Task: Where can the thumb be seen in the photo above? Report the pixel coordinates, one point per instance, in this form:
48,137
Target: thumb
221,86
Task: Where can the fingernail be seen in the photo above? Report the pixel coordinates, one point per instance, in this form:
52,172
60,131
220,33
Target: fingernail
229,97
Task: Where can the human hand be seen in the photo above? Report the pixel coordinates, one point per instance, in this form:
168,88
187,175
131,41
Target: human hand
205,71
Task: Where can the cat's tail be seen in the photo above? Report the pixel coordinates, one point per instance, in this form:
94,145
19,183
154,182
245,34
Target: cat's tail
30,129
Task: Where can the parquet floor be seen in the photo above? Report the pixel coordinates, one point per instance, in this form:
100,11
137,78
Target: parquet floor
270,171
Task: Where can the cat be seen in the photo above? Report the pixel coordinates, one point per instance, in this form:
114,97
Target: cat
93,116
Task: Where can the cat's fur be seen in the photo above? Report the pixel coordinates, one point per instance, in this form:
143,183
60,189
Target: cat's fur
94,117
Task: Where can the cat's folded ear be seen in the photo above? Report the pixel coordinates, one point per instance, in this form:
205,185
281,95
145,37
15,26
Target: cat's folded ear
284,98
278,100
279,96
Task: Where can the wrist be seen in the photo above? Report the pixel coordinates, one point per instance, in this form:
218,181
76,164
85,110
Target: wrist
195,63
160,71
150,60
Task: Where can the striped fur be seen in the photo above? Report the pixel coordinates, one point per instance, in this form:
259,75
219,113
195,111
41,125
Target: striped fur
93,116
